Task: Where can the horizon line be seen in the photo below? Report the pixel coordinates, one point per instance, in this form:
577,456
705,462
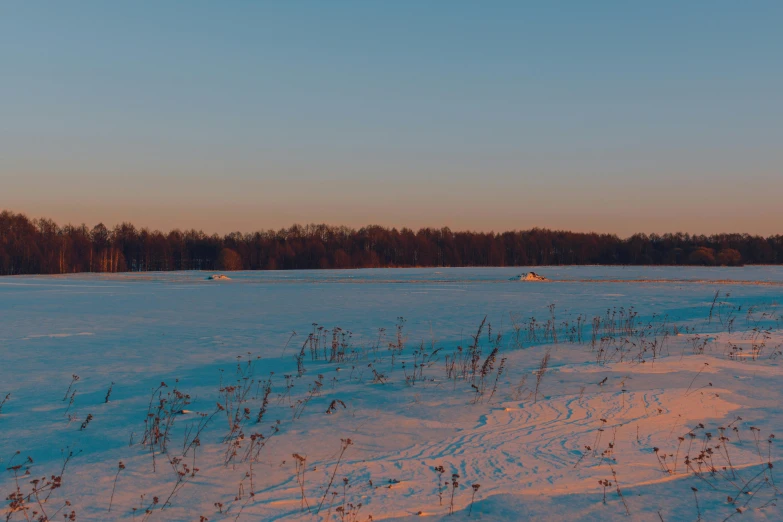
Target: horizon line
385,227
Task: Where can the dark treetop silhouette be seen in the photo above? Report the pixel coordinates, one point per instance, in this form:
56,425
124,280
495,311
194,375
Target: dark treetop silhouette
40,246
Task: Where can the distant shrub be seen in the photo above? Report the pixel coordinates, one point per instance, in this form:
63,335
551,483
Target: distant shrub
702,256
729,257
229,260
342,259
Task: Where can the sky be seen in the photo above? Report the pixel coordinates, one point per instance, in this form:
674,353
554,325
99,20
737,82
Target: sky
617,117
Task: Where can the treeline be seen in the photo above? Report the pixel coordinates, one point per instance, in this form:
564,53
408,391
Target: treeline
41,246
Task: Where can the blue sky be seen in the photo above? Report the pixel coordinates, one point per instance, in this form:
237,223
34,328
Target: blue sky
607,116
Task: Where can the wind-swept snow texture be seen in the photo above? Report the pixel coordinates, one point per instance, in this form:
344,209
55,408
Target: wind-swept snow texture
607,394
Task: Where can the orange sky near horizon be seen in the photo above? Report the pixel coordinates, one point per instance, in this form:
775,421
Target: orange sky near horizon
642,117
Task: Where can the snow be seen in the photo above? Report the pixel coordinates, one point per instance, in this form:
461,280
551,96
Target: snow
527,451
530,276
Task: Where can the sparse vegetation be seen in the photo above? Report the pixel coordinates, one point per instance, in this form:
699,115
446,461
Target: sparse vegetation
732,460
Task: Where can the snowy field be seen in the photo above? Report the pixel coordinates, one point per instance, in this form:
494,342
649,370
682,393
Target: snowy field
608,393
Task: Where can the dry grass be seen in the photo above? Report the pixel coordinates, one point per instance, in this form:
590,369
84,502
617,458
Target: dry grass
475,374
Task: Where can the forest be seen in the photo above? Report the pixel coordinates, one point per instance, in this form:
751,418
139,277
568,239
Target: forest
41,246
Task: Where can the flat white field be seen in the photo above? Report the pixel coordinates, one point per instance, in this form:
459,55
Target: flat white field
451,394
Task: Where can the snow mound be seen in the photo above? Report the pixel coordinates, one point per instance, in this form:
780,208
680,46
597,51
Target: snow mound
219,277
530,276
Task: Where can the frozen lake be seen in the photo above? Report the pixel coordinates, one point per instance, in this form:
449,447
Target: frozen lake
136,330
162,317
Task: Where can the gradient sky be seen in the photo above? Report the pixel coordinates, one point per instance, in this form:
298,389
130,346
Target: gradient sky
606,116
